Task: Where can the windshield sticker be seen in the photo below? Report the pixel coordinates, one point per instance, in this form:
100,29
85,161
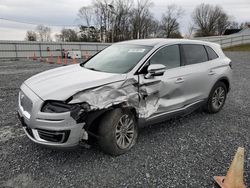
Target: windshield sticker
136,50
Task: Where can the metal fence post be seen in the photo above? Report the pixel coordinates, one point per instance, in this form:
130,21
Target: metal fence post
16,50
61,54
40,49
80,46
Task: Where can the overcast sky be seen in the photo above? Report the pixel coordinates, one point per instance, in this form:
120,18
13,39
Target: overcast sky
64,12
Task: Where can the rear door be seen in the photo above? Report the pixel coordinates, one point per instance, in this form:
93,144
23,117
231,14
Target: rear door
197,72
217,67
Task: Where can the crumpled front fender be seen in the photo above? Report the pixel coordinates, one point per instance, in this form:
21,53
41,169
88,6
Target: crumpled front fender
122,92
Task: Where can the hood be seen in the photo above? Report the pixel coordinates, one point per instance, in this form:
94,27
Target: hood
61,83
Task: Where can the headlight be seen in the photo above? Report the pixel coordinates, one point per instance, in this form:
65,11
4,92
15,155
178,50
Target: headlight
60,107
77,111
56,107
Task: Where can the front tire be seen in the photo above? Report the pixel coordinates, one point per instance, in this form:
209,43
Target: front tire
118,131
217,98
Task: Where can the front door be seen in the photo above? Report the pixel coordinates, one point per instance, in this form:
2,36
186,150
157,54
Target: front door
160,94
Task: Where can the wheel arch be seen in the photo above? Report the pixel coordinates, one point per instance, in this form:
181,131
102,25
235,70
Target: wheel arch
95,117
208,106
224,80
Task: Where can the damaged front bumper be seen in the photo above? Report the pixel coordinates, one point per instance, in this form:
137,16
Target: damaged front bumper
57,130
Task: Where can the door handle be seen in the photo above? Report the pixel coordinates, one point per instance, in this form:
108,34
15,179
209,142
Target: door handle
179,80
211,72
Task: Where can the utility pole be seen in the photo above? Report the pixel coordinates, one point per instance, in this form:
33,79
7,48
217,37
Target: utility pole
112,11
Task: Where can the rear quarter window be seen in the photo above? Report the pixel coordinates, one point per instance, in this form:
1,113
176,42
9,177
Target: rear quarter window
211,53
194,53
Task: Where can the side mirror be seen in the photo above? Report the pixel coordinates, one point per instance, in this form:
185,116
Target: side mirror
155,70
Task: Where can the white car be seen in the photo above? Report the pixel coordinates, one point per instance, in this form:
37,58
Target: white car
126,85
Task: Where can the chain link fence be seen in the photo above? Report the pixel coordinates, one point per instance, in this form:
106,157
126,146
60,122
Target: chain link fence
26,49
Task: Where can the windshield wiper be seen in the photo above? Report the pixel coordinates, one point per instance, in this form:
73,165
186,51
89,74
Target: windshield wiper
91,68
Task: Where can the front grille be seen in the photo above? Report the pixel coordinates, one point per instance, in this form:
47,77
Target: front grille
54,136
25,102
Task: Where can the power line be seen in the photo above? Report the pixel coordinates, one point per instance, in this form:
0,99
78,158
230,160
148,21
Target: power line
33,23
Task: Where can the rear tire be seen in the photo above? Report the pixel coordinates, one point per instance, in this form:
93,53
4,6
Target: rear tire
118,131
217,98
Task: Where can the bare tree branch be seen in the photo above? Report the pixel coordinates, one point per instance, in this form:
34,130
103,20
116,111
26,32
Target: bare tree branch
31,36
43,33
210,20
169,23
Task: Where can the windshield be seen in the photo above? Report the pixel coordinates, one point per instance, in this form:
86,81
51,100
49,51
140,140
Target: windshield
117,58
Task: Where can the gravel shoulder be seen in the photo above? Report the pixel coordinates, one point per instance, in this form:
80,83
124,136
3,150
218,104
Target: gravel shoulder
183,152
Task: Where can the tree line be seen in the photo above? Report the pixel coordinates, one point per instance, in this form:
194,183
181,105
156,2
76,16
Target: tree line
118,20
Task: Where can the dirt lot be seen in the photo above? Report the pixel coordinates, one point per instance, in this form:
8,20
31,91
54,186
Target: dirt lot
186,152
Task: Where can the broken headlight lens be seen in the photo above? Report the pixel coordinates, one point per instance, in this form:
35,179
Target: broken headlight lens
61,107
56,107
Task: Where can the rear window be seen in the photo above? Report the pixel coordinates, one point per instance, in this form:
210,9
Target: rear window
211,53
194,53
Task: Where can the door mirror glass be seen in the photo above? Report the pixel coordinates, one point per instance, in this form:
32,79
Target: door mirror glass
155,70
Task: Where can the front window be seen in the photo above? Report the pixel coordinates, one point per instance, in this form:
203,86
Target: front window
117,58
168,56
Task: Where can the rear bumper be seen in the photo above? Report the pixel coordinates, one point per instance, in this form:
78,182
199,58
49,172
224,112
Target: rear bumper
56,130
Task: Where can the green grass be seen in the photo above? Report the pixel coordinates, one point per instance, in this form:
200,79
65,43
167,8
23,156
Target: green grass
243,47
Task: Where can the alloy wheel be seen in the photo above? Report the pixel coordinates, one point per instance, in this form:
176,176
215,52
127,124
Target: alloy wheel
125,132
218,97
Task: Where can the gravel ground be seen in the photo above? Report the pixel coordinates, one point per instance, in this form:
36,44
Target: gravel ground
185,152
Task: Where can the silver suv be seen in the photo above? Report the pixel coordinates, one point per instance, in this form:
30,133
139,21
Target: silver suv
128,84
